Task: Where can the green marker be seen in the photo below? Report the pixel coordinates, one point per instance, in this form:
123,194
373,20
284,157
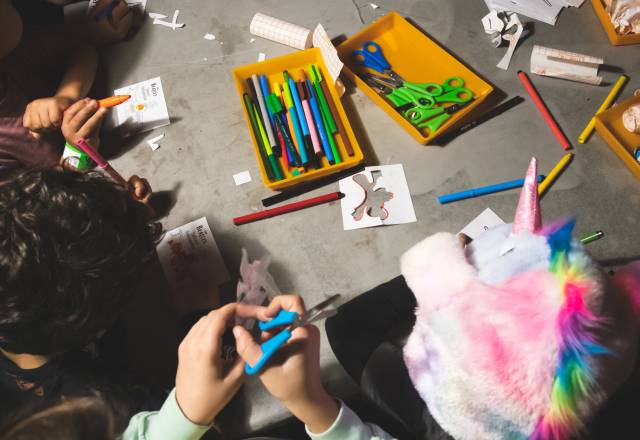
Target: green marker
592,237
332,143
265,141
316,77
256,133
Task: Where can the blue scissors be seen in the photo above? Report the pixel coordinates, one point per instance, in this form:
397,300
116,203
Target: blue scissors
291,320
371,56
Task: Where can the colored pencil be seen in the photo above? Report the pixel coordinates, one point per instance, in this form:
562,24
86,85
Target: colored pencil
605,105
112,101
102,163
555,172
489,189
295,206
544,111
592,237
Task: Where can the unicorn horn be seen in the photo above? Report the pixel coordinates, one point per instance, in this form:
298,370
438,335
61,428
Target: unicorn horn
528,213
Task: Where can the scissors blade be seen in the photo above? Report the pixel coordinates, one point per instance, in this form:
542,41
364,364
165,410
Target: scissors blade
316,313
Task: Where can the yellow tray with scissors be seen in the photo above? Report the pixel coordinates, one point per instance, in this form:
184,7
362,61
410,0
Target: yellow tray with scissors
413,62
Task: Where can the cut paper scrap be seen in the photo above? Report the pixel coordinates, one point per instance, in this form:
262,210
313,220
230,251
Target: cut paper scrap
139,5
485,221
153,142
513,32
262,56
565,65
159,19
503,26
373,6
146,110
256,286
322,41
392,204
242,178
546,11
209,37
190,257
280,31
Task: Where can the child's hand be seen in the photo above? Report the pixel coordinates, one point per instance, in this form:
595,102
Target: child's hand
83,121
140,188
45,114
112,28
204,383
293,373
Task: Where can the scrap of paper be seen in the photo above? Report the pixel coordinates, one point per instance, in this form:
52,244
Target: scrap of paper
153,142
242,178
262,56
146,110
280,31
329,53
256,285
209,37
565,65
373,6
503,26
173,24
189,256
625,15
140,5
546,11
485,221
394,207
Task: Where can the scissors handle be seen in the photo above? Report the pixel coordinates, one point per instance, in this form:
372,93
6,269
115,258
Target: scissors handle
269,347
284,317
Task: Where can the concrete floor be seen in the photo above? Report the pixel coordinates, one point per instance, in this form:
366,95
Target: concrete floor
208,141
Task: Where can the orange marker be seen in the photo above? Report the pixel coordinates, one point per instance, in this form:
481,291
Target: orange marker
112,101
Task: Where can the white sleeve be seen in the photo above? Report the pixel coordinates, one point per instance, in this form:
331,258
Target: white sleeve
348,426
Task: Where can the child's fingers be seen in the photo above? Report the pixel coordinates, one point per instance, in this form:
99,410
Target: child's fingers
55,116
93,124
287,302
84,113
247,349
73,110
119,12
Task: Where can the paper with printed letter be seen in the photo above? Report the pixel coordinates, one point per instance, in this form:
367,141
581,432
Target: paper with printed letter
146,110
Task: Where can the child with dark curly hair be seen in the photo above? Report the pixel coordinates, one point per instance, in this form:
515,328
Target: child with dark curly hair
72,249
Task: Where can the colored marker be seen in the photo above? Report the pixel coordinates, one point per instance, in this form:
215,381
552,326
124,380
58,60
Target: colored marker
496,111
315,79
295,206
322,111
264,88
293,116
555,172
102,163
489,189
106,11
263,112
317,118
112,101
256,134
592,237
605,105
304,99
544,111
276,109
272,159
291,85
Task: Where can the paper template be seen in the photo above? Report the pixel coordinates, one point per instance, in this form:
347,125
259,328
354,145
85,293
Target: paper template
280,31
146,110
485,221
565,65
322,41
189,255
393,201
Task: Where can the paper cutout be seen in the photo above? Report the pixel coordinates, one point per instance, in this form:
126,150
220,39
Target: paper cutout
209,37
153,142
399,208
256,285
373,200
261,57
546,11
159,19
513,32
485,221
189,256
329,53
145,110
373,6
242,178
503,26
280,31
565,65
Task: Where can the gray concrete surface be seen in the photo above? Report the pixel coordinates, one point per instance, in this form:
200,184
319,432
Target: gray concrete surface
208,141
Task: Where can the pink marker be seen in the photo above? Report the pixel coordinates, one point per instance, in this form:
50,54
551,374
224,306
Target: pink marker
309,118
97,158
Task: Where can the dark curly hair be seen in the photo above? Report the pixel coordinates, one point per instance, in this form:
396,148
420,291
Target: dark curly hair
72,246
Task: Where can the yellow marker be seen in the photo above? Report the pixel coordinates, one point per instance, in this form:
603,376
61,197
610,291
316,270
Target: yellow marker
263,133
605,105
555,172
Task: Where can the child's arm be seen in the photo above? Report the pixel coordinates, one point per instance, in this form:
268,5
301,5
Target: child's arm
204,385
46,114
294,378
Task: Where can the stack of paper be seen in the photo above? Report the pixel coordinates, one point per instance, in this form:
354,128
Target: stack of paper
546,11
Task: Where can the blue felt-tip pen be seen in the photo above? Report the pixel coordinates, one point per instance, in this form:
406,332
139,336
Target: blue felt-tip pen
317,116
469,193
298,105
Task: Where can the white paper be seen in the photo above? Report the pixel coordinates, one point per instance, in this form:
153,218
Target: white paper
262,57
373,6
329,53
173,24
546,11
242,178
392,179
485,221
512,38
209,37
565,65
146,110
140,5
153,142
280,31
189,255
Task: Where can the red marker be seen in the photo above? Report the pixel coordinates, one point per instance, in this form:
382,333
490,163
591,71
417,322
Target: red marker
295,206
542,107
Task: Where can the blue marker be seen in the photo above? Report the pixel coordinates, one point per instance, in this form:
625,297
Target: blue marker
319,123
469,193
298,105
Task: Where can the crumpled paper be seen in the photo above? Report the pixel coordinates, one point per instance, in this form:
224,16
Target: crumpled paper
631,119
256,285
625,15
503,26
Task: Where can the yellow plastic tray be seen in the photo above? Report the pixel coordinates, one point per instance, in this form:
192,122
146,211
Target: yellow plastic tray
614,37
620,140
293,63
416,58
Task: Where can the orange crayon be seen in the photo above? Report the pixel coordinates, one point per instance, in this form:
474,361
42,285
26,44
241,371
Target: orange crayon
112,101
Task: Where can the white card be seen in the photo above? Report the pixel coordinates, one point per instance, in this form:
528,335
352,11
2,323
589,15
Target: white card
485,221
189,255
396,209
242,178
146,109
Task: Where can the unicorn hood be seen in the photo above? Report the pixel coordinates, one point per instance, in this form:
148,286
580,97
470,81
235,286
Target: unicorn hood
519,335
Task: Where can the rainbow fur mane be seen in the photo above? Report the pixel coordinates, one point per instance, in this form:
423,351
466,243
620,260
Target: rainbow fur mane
574,381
